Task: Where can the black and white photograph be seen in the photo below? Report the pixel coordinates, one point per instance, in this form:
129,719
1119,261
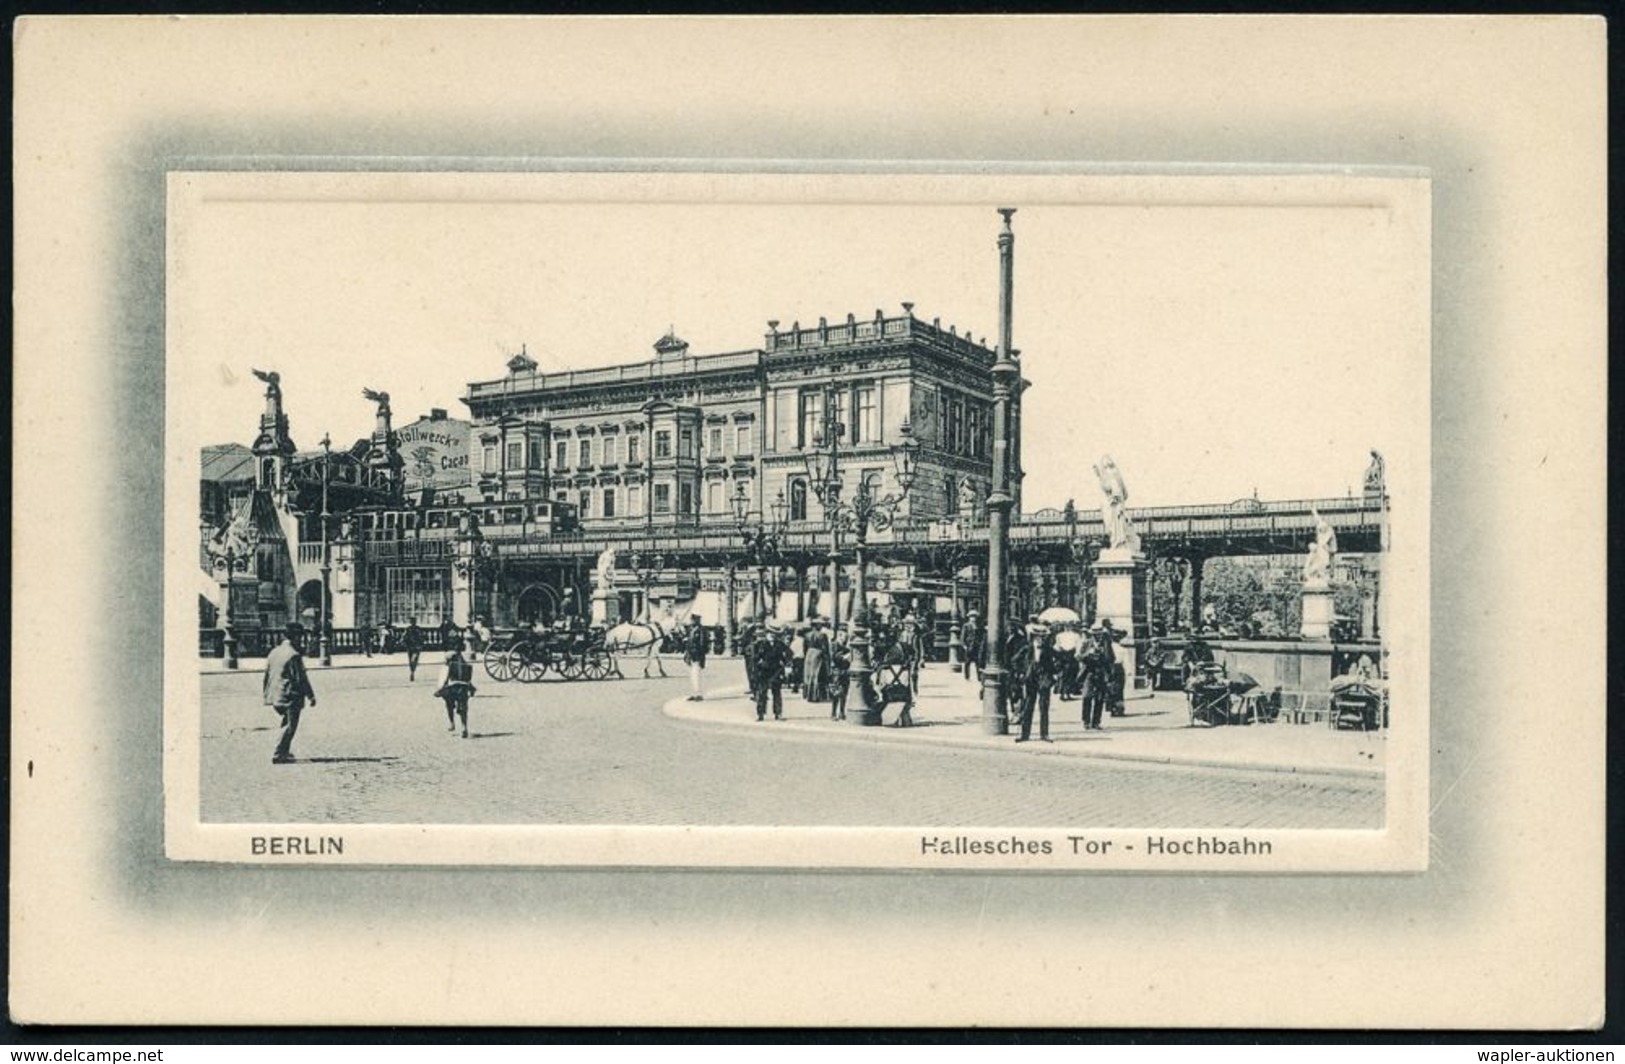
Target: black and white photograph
1081,521
945,522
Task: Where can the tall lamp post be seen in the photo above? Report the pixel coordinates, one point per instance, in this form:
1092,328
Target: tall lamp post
866,510
1006,375
761,538
233,563
325,628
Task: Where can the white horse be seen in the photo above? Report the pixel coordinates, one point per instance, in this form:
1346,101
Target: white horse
646,634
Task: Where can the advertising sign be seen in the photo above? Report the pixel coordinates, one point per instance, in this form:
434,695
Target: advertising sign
435,450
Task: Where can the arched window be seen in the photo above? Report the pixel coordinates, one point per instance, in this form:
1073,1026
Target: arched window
798,500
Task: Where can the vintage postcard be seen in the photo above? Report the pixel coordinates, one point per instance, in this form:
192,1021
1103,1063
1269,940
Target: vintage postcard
1218,399
1063,522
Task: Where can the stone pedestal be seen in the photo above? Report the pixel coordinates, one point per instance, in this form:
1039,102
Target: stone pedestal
1317,611
606,608
346,613
462,582
1123,596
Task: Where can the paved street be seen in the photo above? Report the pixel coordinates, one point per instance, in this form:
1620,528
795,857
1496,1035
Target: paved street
376,749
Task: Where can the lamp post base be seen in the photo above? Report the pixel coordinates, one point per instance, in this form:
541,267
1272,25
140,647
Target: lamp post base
864,709
995,706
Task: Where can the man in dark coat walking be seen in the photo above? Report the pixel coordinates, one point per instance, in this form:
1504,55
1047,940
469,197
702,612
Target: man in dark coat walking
287,689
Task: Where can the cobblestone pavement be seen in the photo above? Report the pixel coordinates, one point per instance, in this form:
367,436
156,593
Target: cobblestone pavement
376,750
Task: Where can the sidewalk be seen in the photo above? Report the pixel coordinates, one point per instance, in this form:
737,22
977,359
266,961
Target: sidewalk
1156,729
430,659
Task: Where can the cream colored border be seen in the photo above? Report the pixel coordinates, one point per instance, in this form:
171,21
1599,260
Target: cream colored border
1400,261
1503,930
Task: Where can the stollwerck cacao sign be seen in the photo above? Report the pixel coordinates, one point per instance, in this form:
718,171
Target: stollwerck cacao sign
435,451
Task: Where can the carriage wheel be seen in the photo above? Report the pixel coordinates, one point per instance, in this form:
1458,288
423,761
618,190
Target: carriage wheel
529,665
497,665
594,666
569,666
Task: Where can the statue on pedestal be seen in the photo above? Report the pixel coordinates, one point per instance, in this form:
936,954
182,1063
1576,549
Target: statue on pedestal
382,399
273,390
1317,567
604,577
1120,528
1374,475
966,507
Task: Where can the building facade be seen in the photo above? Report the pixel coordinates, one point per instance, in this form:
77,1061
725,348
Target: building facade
684,442
503,514
668,442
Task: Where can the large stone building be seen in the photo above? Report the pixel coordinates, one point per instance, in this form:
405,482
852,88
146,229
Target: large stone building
667,442
504,514
667,445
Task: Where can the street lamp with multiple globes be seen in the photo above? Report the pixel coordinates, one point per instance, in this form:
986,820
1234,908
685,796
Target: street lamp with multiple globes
866,510
761,538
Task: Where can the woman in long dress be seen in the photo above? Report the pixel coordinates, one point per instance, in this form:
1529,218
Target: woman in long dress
815,664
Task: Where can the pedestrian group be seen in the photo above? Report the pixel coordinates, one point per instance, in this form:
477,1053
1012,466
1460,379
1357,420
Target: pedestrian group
813,661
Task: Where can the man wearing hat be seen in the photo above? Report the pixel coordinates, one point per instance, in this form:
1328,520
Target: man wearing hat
1095,670
287,688
696,641
755,628
1109,639
1035,671
769,655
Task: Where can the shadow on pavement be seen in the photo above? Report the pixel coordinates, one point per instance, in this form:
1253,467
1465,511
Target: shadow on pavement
491,734
345,760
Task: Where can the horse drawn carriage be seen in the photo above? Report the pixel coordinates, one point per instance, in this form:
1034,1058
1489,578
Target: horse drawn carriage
527,655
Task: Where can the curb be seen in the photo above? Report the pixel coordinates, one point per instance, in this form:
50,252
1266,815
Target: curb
674,708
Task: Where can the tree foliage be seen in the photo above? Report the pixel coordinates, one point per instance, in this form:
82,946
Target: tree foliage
1256,595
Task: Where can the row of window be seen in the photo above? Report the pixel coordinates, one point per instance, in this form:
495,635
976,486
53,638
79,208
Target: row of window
966,426
861,402
606,449
606,502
